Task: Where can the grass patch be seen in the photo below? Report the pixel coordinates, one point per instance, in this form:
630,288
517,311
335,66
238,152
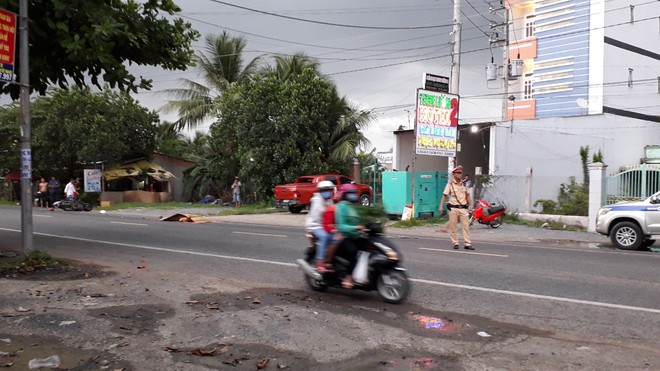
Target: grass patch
418,222
31,262
255,208
156,205
555,226
264,207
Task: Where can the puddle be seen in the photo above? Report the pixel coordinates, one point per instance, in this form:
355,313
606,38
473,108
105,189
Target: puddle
22,349
434,323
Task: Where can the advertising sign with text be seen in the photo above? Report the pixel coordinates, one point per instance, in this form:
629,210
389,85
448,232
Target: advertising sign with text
92,180
7,44
436,123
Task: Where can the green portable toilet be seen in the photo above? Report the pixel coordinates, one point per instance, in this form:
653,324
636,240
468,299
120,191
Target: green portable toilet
397,191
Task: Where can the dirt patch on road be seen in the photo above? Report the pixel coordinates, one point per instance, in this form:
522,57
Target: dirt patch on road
408,317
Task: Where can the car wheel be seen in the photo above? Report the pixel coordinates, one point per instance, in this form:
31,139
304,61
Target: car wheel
365,200
295,209
627,236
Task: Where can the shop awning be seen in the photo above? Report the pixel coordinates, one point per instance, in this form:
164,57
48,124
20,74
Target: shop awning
134,169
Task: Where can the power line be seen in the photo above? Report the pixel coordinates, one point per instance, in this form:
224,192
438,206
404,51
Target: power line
331,23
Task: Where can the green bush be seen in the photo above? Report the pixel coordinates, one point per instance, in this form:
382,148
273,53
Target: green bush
573,200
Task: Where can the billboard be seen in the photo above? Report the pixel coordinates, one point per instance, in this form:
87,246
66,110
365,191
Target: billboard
436,83
92,180
7,44
436,123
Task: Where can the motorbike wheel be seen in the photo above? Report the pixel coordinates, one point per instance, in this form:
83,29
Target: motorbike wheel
496,222
315,284
87,207
393,286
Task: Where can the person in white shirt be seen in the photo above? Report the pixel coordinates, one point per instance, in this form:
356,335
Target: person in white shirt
70,190
314,221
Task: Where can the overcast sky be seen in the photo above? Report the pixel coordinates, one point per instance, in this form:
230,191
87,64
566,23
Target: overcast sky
373,64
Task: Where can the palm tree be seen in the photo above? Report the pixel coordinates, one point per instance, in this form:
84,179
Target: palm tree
221,66
347,136
288,67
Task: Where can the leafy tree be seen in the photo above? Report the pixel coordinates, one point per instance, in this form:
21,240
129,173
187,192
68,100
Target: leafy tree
74,126
221,66
82,40
274,131
10,139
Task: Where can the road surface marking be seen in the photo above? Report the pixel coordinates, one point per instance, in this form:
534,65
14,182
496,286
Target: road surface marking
42,216
418,280
465,252
127,223
260,234
536,296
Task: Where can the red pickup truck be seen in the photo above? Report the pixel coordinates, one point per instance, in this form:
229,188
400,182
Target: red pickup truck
296,196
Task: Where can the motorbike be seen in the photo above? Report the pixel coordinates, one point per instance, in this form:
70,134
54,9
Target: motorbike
484,213
74,205
385,276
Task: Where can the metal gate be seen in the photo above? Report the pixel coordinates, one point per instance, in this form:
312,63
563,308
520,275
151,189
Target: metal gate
635,183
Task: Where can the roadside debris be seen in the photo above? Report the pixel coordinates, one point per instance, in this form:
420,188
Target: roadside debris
50,362
183,218
483,334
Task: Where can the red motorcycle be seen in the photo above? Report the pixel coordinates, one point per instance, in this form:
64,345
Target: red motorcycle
484,213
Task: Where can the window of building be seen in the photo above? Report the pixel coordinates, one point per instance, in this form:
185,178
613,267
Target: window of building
527,90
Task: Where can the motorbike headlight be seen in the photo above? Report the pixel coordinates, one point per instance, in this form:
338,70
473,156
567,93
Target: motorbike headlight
604,210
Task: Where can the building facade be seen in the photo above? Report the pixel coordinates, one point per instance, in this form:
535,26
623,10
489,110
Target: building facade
590,77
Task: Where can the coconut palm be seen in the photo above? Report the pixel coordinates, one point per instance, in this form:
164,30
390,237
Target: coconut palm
220,66
287,67
347,136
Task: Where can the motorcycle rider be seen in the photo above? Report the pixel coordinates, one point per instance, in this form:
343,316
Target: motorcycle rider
348,224
314,222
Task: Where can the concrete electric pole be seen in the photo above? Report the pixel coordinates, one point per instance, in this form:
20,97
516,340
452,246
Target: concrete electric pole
26,152
454,78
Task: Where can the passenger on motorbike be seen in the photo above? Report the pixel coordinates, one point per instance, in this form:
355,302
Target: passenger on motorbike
348,224
314,222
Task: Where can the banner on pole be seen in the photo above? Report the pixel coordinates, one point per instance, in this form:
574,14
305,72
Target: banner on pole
7,45
436,123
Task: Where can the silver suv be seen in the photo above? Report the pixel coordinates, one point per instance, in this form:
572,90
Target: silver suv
631,225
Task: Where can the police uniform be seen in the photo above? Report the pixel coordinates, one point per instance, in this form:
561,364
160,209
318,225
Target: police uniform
458,204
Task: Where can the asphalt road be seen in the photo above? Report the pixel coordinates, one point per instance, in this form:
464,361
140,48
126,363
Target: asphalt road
618,290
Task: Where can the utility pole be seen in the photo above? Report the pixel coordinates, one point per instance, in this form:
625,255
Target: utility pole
504,44
454,78
26,152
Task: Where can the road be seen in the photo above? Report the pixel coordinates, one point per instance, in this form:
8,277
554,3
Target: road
582,295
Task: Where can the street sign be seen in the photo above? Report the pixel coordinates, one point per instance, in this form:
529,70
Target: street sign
7,45
436,83
92,180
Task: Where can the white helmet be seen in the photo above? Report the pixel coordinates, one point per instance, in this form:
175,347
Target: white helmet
325,185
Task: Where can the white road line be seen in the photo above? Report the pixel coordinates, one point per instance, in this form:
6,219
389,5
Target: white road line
42,216
260,234
418,280
465,252
127,223
536,296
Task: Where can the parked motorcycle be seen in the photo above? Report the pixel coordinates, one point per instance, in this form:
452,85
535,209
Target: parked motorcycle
74,205
484,213
385,276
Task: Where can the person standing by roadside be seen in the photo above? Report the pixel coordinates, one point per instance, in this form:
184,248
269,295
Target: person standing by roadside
458,206
236,192
70,190
53,189
43,193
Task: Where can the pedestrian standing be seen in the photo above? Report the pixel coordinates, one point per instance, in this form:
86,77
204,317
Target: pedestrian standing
458,206
53,189
70,190
42,193
236,192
